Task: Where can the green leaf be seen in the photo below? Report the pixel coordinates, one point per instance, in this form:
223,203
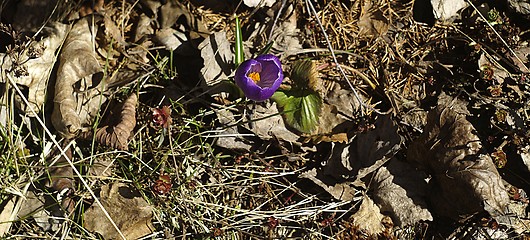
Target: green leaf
301,108
240,56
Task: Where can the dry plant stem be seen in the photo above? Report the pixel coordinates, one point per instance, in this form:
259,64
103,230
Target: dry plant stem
311,9
63,153
498,35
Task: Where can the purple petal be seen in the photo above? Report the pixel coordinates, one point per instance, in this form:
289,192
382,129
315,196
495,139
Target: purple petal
272,70
271,77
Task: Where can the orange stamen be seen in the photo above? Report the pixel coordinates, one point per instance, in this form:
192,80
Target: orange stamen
254,76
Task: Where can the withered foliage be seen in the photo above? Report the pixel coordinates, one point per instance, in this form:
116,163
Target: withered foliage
116,132
464,180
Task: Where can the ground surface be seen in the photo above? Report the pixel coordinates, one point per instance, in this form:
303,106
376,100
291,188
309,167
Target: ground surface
122,119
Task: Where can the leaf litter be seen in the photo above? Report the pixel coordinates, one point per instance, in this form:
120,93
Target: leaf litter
214,165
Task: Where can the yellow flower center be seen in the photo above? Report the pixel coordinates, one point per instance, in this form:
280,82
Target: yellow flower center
254,76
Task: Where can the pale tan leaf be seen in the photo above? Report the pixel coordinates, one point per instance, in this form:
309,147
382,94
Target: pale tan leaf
79,80
267,124
7,216
37,60
368,217
218,58
125,205
339,106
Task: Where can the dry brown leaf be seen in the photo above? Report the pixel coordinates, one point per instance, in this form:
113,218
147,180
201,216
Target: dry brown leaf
523,54
343,191
464,178
37,60
116,134
372,21
350,162
218,58
285,35
365,153
170,38
401,191
79,88
125,205
339,106
267,124
37,206
143,28
368,217
231,139
171,11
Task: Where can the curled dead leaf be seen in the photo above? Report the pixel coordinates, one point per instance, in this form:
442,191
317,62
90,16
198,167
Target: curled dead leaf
116,133
464,179
79,80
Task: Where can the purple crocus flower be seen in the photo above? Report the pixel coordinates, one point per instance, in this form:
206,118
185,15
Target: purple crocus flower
259,78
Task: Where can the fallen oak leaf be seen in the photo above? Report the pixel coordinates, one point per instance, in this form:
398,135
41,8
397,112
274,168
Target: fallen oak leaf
464,179
125,205
399,190
117,134
75,106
